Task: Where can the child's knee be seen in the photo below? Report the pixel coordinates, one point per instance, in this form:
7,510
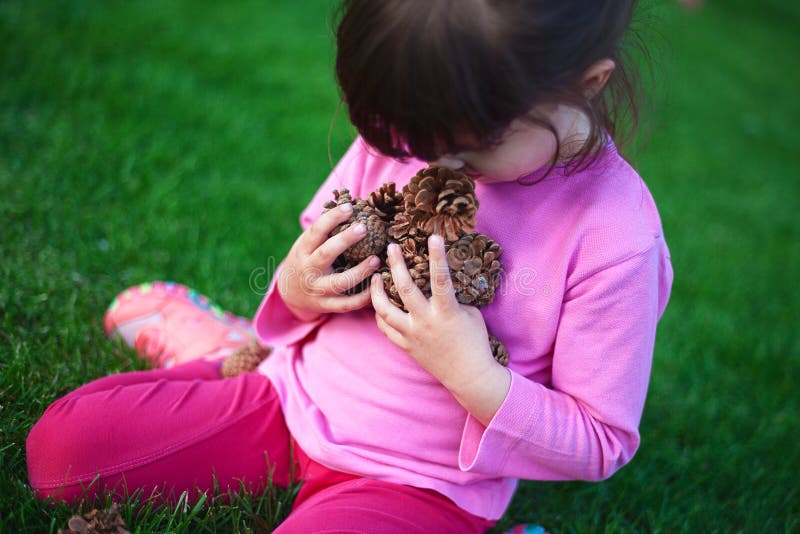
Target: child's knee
55,453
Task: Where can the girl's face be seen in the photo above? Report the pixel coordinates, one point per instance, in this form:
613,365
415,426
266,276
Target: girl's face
524,148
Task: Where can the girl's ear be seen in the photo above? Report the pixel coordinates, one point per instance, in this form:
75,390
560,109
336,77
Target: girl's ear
596,76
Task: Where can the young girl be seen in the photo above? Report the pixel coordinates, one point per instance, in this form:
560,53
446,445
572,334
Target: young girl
402,421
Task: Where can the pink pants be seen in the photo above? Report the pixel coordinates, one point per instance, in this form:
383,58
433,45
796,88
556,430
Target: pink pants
178,429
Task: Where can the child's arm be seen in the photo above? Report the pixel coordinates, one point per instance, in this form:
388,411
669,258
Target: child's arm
586,425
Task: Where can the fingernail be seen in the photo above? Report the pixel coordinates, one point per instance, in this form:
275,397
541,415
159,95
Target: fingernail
436,240
374,261
360,229
392,248
346,207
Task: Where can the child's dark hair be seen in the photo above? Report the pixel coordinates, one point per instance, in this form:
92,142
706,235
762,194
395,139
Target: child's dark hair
417,75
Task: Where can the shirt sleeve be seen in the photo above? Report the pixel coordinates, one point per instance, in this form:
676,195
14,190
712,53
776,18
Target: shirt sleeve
584,427
274,323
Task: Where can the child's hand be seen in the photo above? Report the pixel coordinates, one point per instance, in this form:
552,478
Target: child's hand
446,338
307,282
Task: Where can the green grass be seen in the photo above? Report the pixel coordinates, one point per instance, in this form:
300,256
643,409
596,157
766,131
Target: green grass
179,140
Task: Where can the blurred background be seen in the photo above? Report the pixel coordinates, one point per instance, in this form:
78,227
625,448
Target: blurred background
179,140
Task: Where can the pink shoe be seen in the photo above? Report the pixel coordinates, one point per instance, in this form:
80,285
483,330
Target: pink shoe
169,324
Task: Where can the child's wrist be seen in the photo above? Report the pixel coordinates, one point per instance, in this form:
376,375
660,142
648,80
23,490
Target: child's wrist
303,315
299,313
482,393
306,317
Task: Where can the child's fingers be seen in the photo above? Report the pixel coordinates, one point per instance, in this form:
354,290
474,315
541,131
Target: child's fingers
324,256
393,335
346,303
341,282
318,232
412,297
441,283
388,312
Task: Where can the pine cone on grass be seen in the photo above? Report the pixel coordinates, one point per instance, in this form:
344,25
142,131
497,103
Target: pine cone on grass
244,359
97,522
436,200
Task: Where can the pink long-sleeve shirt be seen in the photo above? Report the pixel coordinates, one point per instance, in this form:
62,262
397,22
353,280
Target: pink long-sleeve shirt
587,275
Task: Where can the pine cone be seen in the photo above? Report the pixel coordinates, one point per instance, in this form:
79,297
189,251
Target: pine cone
386,201
339,198
372,217
411,248
420,271
416,259
96,522
437,200
391,289
244,360
499,350
475,268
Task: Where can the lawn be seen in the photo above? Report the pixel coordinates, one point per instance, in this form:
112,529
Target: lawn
179,140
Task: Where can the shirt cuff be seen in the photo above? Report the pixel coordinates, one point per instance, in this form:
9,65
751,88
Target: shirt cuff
486,449
274,322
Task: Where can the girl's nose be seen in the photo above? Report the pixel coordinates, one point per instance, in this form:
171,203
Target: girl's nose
451,162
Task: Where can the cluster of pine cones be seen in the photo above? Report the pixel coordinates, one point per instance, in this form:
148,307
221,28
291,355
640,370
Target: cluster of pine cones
439,201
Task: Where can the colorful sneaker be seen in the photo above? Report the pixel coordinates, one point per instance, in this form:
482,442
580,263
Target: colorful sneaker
168,324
